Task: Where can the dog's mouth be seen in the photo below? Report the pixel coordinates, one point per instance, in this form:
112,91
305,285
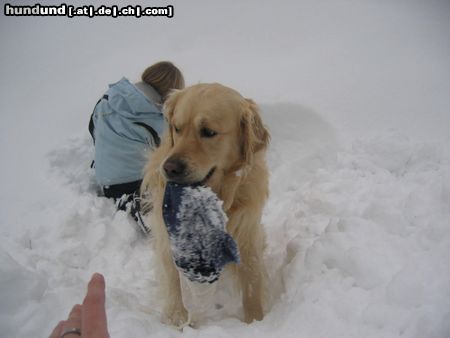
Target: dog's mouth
207,177
185,179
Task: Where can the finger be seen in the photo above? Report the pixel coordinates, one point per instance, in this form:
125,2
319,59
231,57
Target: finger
56,333
94,314
73,321
75,313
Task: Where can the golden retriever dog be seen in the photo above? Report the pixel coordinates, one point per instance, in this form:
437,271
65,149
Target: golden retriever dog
216,137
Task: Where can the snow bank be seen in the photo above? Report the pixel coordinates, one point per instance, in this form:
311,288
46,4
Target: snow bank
366,239
358,217
358,243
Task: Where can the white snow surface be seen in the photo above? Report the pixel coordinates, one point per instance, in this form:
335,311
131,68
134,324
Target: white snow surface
356,96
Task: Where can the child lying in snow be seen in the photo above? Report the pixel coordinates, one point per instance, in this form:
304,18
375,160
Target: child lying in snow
126,123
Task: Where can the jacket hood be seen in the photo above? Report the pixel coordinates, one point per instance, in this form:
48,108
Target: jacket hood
129,101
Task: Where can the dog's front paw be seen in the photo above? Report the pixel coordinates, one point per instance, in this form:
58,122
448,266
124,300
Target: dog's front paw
253,313
177,316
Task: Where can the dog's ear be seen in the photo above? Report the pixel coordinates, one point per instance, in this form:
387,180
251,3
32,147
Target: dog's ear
169,106
254,136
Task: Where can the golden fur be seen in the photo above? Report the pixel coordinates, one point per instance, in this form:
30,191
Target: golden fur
240,179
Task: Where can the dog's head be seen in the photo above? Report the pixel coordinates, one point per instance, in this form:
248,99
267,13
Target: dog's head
213,130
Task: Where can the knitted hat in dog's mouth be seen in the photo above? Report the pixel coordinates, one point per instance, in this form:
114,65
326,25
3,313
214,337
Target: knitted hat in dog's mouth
196,223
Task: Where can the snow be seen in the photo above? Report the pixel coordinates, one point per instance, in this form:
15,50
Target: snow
355,94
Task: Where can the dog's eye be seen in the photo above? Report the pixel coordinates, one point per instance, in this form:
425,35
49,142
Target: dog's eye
177,130
208,133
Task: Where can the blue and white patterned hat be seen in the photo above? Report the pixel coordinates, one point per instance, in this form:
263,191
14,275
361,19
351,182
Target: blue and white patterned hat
196,224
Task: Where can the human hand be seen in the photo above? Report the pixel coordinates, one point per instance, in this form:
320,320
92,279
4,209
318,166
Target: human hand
87,320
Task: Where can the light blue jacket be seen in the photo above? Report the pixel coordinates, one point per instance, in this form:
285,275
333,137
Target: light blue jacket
124,120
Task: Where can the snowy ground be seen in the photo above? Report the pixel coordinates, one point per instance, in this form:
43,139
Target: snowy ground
355,94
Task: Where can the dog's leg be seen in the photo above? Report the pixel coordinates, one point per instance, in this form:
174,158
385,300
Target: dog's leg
250,238
250,272
174,311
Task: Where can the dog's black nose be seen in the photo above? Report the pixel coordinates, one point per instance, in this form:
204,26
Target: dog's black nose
175,168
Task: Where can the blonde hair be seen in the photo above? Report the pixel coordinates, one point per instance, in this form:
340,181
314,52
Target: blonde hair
163,76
